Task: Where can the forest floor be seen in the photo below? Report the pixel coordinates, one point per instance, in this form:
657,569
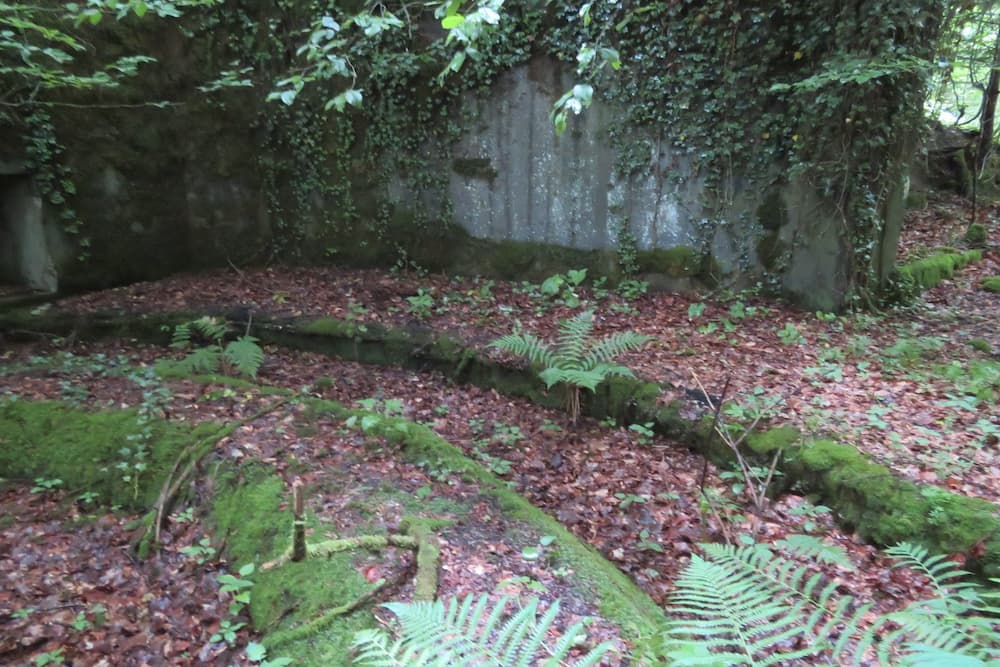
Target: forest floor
915,388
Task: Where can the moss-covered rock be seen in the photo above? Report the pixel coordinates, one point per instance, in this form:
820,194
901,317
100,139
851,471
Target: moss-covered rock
85,449
676,262
975,235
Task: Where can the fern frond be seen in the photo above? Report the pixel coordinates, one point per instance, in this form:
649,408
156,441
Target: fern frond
469,633
942,572
813,548
527,345
573,339
761,603
245,354
613,346
735,618
202,360
212,328
181,337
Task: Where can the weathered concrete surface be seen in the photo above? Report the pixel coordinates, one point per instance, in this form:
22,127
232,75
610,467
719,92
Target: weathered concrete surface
25,258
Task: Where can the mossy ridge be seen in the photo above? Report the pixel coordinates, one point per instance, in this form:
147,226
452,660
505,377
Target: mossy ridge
631,400
618,598
51,439
928,272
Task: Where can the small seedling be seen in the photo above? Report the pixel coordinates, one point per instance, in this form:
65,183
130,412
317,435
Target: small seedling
54,657
627,499
644,433
421,304
790,335
201,552
44,485
646,543
227,632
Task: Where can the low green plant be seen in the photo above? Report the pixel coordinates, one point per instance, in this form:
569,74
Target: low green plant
626,500
470,632
790,335
644,433
576,361
243,355
695,310
53,657
45,484
257,655
201,552
421,304
563,286
631,289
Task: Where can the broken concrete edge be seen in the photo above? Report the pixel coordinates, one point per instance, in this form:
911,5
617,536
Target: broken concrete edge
865,495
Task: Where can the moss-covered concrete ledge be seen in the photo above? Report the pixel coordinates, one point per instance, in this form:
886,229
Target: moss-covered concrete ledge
866,496
292,601
928,272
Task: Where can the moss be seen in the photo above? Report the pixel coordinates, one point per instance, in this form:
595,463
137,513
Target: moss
975,235
481,168
618,598
329,326
916,200
49,439
625,399
677,262
773,439
886,509
930,271
991,284
980,345
249,510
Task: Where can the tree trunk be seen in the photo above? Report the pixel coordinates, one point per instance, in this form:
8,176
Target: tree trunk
988,120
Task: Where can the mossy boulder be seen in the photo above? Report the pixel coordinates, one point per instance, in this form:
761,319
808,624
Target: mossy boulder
975,235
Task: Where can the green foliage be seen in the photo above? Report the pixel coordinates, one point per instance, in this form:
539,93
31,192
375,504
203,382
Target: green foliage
421,304
991,284
752,606
576,360
244,354
471,633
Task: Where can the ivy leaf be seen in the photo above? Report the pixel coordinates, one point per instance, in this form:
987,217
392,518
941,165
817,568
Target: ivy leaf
583,92
353,97
453,21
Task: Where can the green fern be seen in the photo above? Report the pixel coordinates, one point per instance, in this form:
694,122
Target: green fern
809,547
957,622
745,606
433,634
751,606
245,355
202,360
575,361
